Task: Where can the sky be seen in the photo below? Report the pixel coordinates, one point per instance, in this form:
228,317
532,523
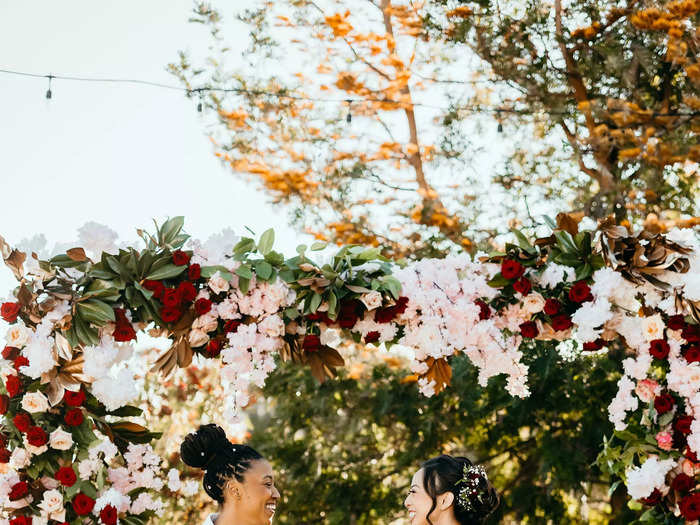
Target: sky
118,155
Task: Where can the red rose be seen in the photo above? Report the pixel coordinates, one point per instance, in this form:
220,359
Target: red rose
659,349
682,424
170,297
74,417
214,347
683,483
676,322
383,315
561,322
36,437
13,385
10,311
664,403
692,354
593,346
511,269
21,520
20,361
5,455
580,292
156,287
108,515
10,353
4,404
372,336
186,291
484,310
652,499
18,491
529,329
82,504
231,326
194,272
74,399
522,286
401,305
690,506
170,314
202,306
22,422
552,307
349,313
124,332
311,343
3,441
691,333
180,258
692,456
66,476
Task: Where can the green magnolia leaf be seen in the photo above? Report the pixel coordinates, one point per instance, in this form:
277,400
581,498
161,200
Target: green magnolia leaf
244,246
318,246
243,284
498,281
332,304
166,272
523,242
263,269
96,311
267,240
170,230
565,241
315,302
287,276
244,271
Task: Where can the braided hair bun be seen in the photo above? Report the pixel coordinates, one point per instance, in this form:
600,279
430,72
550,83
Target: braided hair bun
210,450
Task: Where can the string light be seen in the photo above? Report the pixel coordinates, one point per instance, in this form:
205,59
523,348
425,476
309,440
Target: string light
348,119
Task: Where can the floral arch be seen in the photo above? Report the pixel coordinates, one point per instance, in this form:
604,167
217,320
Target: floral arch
68,451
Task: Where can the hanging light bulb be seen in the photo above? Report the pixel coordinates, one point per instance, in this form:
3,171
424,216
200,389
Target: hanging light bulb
348,119
200,105
48,91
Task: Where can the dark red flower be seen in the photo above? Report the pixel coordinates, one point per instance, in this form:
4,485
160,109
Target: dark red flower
4,404
676,322
180,258
593,346
691,333
690,506
682,424
66,476
372,337
529,329
652,499
552,307
74,399
318,316
13,385
156,287
74,417
170,297
214,347
124,332
3,441
580,292
22,422
186,291
312,343
82,504
10,353
683,483
10,311
484,310
202,306
522,286
108,515
692,354
19,490
5,456
401,305
561,322
692,456
659,349
385,315
194,272
511,269
349,313
170,314
664,403
21,520
36,437
231,326
20,361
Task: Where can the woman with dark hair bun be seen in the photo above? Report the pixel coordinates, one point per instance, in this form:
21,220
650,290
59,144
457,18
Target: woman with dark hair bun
237,477
450,490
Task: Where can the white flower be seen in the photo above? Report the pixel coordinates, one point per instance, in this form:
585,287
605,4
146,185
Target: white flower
653,327
330,337
59,439
52,505
20,458
641,481
587,225
35,402
533,302
198,338
555,274
218,284
97,238
17,335
116,392
271,326
372,300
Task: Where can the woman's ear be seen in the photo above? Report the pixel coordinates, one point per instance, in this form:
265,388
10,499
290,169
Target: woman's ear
445,500
233,489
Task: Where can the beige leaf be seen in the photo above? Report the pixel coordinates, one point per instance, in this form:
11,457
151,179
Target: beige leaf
77,254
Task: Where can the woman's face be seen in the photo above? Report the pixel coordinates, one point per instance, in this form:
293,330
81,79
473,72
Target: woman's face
418,502
258,494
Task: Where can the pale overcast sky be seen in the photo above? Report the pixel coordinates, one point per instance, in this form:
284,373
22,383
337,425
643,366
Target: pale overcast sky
115,154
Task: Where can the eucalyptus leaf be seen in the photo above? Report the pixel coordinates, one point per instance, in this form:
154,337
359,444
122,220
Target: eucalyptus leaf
267,240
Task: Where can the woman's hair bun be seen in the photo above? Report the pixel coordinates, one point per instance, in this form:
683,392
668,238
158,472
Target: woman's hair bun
200,448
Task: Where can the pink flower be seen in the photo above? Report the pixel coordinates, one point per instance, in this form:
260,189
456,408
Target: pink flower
664,440
646,389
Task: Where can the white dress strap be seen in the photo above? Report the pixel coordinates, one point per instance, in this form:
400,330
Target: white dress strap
211,519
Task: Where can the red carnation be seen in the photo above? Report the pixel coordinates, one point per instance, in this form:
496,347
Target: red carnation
186,291
36,437
676,322
156,287
4,404
552,307
522,286
511,269
214,347
10,311
21,520
682,424
664,403
372,337
74,399
5,455
484,310
66,476
18,491
683,483
20,361
593,346
170,297
180,258
561,322
194,272
691,333
692,354
13,385
659,349
580,292
82,504
10,353
74,417
202,306
312,343
170,314
108,515
22,422
529,329
690,506
652,499
231,326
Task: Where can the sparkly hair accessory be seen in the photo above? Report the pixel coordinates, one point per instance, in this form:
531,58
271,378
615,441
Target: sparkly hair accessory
472,475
